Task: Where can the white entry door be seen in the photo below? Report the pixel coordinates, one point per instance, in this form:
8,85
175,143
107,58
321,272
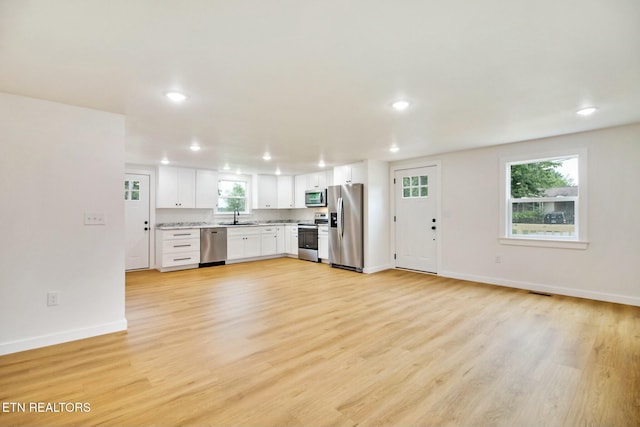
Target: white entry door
416,221
136,201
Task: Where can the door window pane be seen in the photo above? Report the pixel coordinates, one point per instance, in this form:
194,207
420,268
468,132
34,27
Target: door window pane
415,186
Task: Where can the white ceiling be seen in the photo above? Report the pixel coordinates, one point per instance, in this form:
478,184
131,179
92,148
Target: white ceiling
311,79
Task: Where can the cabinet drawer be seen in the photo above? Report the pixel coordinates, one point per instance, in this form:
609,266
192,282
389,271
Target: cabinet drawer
180,246
173,260
190,233
243,231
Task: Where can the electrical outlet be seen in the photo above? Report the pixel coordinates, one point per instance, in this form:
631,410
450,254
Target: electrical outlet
53,298
94,218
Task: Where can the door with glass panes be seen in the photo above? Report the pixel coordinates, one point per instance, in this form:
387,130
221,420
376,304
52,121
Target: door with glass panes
416,222
138,229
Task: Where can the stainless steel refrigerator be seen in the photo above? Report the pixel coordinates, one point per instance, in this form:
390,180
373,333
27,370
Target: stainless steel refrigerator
346,235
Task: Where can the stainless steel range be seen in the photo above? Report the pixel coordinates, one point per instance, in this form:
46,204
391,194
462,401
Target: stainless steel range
308,237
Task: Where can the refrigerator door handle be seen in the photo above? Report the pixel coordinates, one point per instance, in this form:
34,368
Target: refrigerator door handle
340,219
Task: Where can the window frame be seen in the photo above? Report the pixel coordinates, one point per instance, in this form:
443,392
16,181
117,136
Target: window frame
580,241
236,178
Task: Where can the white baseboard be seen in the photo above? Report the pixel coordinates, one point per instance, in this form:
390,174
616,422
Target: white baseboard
61,337
548,289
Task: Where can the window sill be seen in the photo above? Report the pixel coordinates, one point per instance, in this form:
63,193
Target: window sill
545,243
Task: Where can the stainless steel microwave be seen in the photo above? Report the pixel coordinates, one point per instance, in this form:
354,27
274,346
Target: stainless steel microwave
315,198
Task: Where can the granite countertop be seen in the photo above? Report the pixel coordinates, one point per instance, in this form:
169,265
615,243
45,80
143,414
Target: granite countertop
182,225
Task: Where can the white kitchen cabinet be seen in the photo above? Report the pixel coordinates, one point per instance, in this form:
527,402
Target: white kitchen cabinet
349,174
323,242
272,240
291,239
243,242
280,243
177,249
266,196
316,180
269,242
285,192
176,187
206,189
300,186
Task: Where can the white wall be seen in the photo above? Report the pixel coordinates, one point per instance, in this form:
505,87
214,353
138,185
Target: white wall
607,270
376,218
57,163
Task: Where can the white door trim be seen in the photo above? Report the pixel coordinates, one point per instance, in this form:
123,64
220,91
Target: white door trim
393,168
151,172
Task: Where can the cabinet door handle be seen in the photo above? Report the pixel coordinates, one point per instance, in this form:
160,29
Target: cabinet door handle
181,259
181,246
183,234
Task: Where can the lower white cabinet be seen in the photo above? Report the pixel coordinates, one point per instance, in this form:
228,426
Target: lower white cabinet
323,242
291,239
177,249
269,240
273,241
244,242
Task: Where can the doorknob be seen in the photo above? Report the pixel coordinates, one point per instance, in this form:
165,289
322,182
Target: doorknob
433,228
146,228
146,222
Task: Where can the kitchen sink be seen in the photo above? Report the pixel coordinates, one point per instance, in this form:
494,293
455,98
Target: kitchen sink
237,223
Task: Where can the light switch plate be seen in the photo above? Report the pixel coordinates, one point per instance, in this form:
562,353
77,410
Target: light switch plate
94,218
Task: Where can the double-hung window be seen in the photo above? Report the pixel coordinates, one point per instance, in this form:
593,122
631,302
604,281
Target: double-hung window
544,201
232,196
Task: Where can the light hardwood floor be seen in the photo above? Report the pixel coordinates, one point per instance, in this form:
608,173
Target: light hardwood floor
287,342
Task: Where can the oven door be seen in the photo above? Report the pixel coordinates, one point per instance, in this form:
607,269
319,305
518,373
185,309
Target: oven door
308,242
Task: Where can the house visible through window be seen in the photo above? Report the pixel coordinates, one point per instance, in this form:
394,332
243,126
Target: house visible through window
232,196
543,199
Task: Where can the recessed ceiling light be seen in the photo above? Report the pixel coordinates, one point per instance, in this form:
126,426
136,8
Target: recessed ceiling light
278,172
238,172
226,167
587,111
194,147
176,96
266,156
164,161
321,164
394,148
400,105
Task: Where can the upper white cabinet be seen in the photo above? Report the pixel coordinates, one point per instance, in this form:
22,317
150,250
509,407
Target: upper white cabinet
300,186
176,187
273,192
266,196
349,174
285,192
206,189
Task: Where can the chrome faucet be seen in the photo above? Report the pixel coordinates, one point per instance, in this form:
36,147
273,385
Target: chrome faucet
235,218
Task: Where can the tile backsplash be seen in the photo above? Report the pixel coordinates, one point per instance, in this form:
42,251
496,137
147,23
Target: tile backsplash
208,215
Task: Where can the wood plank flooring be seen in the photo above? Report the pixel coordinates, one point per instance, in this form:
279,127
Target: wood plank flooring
292,343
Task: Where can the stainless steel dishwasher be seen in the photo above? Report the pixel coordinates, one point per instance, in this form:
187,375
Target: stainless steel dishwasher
213,246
